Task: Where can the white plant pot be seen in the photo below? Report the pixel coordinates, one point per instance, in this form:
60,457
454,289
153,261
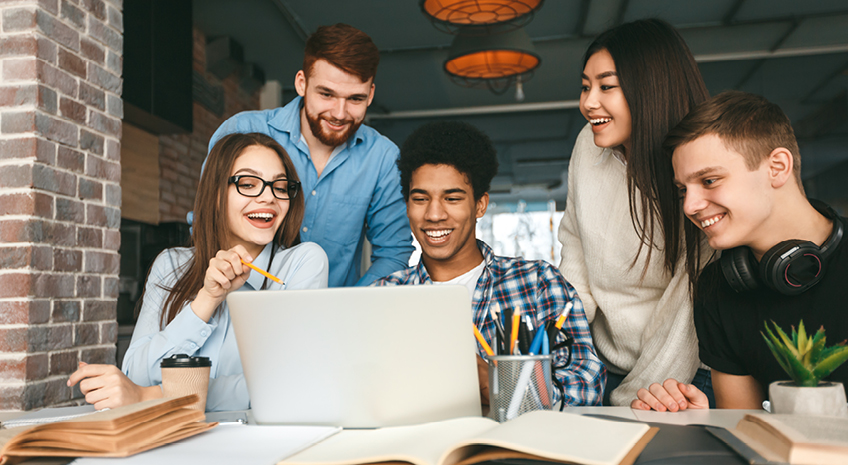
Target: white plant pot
828,398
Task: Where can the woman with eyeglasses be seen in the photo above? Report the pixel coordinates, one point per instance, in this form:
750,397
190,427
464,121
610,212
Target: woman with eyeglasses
248,208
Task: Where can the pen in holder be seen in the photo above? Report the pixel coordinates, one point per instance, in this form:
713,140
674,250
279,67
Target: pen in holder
519,384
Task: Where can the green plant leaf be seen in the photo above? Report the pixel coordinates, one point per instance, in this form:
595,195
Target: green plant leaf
819,335
832,362
778,355
815,354
786,342
802,339
775,342
825,353
787,357
801,374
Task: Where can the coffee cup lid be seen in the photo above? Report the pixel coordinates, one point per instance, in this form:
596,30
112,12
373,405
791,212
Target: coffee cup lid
184,361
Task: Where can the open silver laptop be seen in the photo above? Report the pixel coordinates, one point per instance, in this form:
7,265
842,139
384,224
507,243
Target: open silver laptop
357,357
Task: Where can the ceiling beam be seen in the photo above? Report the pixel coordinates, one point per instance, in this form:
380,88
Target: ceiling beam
558,105
824,119
824,82
789,21
759,64
481,110
622,12
728,17
293,20
786,52
584,15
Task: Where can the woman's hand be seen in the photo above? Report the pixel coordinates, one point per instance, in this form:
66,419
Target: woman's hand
670,396
225,274
106,386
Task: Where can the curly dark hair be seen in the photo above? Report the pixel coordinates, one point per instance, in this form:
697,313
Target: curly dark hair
452,143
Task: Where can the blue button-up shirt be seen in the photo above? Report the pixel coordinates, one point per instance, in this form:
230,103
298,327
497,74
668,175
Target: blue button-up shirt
357,195
536,288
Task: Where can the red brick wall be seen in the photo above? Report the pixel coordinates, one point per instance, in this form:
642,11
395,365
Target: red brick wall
60,195
181,156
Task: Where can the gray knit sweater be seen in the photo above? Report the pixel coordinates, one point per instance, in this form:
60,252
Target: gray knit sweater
642,326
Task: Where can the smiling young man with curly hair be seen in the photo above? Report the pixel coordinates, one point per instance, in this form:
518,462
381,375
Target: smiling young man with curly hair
446,169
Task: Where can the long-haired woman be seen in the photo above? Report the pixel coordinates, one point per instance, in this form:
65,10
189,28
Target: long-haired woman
247,208
639,80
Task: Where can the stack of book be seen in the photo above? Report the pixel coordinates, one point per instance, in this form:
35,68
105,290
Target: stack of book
118,432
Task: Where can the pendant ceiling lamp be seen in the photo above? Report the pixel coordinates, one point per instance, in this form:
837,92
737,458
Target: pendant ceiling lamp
477,16
494,61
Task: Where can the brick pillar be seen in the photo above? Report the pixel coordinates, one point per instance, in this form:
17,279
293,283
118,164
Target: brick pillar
60,194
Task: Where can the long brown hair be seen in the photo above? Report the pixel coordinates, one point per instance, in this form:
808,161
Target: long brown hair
211,229
661,83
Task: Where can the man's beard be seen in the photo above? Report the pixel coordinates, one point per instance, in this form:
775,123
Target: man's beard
331,139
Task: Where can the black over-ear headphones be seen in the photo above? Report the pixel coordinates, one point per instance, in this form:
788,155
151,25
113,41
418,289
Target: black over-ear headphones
805,259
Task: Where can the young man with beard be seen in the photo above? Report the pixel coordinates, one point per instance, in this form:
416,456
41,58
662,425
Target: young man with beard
784,258
446,169
347,170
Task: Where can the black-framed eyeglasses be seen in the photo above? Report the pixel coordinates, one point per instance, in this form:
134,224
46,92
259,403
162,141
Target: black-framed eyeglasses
254,186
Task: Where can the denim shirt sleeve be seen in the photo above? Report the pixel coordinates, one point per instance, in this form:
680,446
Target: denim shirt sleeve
248,121
186,333
388,227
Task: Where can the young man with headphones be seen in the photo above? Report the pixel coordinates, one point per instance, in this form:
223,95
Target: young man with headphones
737,165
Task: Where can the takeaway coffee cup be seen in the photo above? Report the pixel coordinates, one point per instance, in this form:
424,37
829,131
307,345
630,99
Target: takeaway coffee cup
183,375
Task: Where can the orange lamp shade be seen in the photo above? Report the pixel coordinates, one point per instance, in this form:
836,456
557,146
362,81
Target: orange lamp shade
478,12
492,56
492,64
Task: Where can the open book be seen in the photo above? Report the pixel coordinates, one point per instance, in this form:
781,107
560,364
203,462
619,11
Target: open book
111,433
540,435
795,439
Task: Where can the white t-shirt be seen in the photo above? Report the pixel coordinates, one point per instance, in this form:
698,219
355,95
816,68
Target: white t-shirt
468,279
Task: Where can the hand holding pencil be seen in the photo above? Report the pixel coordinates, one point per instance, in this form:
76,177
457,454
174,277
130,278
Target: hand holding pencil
228,270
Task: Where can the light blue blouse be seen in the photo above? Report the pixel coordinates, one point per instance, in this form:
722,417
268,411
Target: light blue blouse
301,267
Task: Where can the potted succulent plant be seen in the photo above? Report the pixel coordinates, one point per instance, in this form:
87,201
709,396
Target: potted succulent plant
806,360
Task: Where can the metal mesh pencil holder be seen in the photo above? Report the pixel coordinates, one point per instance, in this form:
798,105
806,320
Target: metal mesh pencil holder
519,384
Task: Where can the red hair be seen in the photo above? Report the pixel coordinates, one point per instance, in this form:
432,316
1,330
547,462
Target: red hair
344,47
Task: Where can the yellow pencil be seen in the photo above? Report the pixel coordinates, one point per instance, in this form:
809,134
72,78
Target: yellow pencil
263,272
516,320
482,341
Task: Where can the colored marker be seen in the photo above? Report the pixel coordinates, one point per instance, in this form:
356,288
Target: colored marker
561,320
536,345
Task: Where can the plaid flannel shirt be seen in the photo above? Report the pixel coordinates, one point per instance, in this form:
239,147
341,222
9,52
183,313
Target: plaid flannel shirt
534,288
